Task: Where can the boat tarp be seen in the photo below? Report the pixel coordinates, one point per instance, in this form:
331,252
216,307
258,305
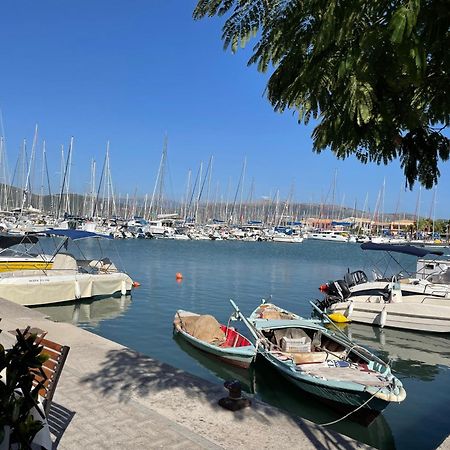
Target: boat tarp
75,234
6,240
405,249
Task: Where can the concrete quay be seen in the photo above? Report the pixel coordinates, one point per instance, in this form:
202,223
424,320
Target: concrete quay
111,397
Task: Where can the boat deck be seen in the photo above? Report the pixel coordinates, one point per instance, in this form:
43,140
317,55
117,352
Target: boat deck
335,370
355,373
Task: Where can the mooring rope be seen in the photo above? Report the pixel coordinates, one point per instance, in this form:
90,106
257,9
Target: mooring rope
351,412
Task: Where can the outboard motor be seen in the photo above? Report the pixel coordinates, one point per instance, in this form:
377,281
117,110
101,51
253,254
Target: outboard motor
335,291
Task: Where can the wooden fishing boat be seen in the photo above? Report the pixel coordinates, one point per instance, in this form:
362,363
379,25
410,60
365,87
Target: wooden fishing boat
219,341
322,362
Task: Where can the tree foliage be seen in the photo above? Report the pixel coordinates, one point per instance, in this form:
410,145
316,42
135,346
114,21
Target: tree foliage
374,73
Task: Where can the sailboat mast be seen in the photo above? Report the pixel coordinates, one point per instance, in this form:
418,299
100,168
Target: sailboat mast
27,188
41,196
242,189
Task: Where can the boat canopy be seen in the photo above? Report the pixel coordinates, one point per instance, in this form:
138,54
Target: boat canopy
76,234
336,223
406,249
6,240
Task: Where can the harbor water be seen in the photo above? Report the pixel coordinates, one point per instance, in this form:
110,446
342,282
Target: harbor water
289,275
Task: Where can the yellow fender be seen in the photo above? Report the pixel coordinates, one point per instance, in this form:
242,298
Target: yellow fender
338,318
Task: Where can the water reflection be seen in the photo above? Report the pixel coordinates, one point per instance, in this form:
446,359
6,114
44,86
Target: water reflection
218,369
88,312
264,383
415,355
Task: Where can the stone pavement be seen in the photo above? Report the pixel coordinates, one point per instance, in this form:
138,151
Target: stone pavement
111,397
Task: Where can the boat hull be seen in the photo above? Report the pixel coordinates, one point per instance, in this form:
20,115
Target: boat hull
342,397
404,315
41,289
237,356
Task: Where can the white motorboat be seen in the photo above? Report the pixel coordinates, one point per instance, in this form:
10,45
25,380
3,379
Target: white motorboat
330,235
399,301
434,270
288,238
63,277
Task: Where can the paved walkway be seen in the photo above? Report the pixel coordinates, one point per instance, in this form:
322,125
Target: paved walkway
112,397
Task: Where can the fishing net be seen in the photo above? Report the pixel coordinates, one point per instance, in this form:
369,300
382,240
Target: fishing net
205,328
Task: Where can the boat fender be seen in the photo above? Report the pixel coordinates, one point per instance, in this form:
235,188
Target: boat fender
77,290
350,310
123,290
383,317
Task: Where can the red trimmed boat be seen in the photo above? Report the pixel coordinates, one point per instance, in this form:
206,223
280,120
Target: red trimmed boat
219,341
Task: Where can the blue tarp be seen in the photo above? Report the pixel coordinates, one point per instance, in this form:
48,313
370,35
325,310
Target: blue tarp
406,249
76,234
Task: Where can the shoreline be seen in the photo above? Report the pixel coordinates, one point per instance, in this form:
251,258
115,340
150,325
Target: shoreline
110,396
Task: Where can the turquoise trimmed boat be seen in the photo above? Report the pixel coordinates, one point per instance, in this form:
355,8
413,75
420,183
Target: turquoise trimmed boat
322,362
233,348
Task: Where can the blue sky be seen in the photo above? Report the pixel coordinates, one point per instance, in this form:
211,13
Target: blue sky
130,71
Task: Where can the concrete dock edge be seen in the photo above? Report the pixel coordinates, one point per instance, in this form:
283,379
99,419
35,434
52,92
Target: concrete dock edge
110,396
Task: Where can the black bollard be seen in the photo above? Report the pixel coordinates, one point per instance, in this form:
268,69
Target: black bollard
234,401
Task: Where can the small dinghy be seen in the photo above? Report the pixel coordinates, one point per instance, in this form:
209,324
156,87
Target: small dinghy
321,362
220,341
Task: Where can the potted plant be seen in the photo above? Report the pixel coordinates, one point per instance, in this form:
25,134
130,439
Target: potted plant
19,391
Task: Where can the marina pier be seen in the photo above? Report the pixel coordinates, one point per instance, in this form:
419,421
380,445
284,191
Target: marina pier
110,396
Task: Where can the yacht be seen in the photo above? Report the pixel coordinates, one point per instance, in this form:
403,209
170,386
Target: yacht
331,235
288,238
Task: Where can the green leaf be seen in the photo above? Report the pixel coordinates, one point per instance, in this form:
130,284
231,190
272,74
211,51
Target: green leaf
397,25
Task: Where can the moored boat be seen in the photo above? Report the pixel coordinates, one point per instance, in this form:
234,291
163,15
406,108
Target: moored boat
321,362
62,277
398,301
219,341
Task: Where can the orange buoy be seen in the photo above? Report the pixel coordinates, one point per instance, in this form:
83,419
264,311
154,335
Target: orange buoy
179,276
136,284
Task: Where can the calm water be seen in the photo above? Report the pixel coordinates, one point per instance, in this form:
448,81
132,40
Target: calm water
214,272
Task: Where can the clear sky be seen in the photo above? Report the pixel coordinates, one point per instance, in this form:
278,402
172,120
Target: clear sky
130,71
